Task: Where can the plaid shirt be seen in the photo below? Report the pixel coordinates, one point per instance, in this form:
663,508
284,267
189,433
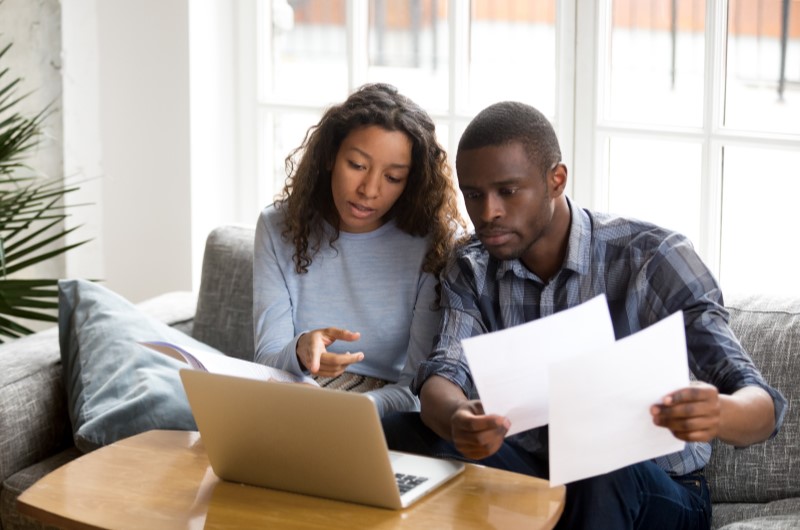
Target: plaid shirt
646,272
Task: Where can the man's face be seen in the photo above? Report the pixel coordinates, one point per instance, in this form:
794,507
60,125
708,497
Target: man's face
507,199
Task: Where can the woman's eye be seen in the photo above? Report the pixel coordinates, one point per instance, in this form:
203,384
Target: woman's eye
393,180
355,165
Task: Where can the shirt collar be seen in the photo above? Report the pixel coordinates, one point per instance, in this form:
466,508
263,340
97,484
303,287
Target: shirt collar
578,248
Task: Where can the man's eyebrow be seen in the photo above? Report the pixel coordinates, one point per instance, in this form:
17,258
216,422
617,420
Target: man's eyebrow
369,157
514,181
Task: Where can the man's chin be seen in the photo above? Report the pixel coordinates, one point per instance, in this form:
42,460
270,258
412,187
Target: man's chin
501,252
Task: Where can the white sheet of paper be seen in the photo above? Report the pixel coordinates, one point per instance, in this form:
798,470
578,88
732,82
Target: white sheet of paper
600,404
509,366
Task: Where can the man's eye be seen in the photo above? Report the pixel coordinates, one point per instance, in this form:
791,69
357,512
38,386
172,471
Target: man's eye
508,191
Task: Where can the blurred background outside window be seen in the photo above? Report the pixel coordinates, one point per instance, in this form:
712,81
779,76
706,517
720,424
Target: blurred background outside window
682,112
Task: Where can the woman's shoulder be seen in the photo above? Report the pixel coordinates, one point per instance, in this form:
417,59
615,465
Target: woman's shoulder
272,218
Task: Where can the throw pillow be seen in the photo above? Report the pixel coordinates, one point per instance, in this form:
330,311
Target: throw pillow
116,387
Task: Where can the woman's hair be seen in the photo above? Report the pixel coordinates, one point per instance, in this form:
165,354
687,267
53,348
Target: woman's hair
427,206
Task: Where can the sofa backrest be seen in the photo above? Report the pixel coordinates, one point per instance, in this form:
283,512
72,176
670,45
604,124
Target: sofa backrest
769,329
224,317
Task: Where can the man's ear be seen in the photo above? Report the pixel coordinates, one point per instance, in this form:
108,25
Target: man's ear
557,179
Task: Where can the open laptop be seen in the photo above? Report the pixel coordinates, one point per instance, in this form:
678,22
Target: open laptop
298,438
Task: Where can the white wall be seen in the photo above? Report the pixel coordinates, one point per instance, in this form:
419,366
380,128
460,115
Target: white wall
149,120
34,29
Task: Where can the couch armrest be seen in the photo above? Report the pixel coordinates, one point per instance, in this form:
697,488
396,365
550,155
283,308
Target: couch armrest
33,417
176,309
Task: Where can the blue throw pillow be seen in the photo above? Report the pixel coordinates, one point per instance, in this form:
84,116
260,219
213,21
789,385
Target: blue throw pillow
116,387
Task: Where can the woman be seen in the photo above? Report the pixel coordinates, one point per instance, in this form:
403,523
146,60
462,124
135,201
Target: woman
346,260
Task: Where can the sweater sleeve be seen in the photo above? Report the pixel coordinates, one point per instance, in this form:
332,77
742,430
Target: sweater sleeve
397,397
274,333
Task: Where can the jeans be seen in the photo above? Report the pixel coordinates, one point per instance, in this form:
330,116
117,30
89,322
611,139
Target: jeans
639,496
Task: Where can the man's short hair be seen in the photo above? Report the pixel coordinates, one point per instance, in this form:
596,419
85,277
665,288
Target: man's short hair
512,121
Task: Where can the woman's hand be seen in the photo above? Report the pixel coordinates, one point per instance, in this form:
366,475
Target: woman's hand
313,354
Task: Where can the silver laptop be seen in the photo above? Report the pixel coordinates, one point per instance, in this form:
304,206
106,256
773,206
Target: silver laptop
299,438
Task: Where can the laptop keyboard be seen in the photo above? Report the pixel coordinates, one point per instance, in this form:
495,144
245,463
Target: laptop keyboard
407,482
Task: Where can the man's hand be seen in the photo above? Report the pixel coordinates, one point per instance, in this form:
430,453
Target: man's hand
312,351
475,434
699,413
692,413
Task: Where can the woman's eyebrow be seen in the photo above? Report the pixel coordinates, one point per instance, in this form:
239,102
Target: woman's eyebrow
368,156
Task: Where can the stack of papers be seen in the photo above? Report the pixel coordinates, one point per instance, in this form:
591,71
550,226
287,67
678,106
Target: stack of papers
568,371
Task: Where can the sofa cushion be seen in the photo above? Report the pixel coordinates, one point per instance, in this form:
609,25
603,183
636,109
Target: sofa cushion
20,481
116,387
33,413
769,329
224,317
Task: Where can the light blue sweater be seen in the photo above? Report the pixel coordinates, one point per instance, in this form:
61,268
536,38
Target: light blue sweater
371,283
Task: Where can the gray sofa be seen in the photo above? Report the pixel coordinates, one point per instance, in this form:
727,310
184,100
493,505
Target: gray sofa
753,488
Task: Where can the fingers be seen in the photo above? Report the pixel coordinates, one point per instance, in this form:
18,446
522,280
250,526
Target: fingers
476,435
692,413
333,334
312,346
334,364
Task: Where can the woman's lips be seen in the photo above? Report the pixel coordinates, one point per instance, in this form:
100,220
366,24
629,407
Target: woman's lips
360,211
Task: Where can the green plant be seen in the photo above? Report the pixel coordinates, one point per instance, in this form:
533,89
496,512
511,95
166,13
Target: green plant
31,216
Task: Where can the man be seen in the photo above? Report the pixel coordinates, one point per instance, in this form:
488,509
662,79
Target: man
534,253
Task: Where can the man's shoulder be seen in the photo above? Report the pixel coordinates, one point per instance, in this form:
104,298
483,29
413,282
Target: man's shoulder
626,231
469,259
469,249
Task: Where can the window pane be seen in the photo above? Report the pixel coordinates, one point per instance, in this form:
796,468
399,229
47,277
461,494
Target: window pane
304,53
280,133
657,181
408,47
763,70
759,221
513,53
656,62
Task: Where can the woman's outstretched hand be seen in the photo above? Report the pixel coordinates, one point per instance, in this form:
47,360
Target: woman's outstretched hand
313,354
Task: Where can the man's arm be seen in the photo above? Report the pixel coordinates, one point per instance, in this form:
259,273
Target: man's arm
446,411
734,403
699,413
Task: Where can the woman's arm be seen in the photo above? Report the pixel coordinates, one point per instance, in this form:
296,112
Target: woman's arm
273,327
397,397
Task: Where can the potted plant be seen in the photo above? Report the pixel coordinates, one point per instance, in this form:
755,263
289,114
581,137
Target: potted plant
31,216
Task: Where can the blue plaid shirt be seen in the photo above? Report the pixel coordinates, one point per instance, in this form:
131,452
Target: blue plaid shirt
646,272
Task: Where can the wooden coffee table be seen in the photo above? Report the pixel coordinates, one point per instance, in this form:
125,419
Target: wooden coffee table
162,479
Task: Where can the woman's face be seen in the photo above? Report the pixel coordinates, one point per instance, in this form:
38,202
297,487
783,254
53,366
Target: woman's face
369,175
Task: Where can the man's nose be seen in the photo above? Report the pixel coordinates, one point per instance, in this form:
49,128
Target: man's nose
492,208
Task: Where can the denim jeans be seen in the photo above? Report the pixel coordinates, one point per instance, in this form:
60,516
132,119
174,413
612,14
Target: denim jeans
638,496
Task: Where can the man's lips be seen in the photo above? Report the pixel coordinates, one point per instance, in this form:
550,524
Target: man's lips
495,236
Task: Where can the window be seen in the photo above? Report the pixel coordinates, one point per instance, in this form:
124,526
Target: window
695,126
451,57
682,112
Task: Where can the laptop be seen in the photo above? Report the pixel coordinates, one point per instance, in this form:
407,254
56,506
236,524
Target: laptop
303,439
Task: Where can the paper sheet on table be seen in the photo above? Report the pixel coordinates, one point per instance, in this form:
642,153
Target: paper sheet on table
509,366
600,404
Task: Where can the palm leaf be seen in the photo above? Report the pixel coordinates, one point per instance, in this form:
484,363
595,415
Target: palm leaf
31,216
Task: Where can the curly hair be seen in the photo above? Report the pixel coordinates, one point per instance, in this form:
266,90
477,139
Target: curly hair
427,207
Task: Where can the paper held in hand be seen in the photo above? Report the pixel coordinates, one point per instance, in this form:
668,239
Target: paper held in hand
567,370
219,363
